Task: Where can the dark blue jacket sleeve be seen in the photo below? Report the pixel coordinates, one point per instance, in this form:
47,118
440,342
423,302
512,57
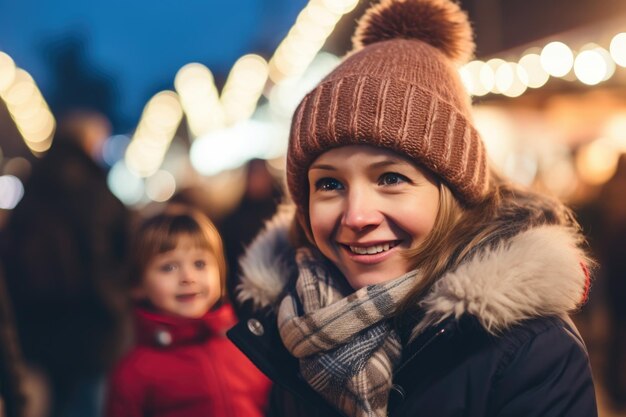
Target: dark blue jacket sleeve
548,375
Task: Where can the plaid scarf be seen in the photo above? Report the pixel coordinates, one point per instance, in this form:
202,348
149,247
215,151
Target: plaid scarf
345,344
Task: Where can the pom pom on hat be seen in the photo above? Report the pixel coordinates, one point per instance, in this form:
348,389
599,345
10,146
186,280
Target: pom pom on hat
439,23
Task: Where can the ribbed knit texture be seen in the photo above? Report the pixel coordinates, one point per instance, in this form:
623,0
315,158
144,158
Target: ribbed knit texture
402,95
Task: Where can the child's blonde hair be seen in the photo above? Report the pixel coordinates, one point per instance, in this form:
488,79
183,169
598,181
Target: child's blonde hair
162,232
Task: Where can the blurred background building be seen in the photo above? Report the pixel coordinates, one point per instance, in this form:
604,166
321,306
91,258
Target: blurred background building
194,93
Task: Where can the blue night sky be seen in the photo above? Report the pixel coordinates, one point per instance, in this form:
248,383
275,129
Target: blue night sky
136,46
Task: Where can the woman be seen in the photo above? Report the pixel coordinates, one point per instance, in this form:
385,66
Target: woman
414,280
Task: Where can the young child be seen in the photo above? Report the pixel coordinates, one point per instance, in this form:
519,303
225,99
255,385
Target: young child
414,280
183,364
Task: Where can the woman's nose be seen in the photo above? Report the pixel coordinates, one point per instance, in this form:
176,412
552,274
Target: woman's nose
361,210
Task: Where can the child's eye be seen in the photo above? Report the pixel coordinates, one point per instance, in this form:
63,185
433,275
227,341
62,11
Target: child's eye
167,267
200,264
328,184
391,178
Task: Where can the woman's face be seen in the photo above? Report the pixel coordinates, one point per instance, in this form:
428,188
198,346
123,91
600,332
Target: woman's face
366,206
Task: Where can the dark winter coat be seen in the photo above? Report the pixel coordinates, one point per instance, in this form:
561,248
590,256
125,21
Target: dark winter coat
493,336
186,368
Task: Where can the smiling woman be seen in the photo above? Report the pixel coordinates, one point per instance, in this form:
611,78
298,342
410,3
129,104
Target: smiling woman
362,211
409,278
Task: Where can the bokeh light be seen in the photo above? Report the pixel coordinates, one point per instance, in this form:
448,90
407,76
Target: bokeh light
124,184
114,148
557,59
231,147
471,77
596,162
7,71
195,85
531,64
161,186
590,67
488,74
618,49
511,80
11,191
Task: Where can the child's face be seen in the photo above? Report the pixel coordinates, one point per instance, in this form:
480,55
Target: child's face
367,205
184,282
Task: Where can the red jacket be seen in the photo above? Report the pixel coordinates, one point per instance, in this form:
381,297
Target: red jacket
186,367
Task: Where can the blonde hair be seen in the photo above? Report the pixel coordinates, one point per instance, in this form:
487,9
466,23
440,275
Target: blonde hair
161,233
460,231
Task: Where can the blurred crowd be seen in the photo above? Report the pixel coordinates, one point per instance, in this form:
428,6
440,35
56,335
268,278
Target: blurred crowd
65,288
66,291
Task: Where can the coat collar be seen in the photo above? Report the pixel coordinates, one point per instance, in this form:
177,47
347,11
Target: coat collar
536,272
154,329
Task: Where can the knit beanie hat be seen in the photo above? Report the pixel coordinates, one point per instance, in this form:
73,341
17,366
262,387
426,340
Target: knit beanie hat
399,89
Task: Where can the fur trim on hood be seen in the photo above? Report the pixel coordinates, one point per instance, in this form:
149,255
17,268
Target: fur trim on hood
535,273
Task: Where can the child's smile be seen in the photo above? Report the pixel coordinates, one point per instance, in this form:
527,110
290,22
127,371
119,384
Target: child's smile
183,282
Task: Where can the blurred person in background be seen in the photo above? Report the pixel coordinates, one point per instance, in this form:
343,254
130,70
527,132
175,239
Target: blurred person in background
261,197
12,399
64,253
611,250
182,363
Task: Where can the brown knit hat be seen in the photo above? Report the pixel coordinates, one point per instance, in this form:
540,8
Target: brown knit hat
400,90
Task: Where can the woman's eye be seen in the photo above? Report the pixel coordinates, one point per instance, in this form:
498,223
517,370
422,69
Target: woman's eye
391,178
200,264
328,184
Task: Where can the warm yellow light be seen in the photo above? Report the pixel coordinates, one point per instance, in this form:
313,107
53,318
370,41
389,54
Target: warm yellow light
163,112
615,131
470,75
557,59
333,6
7,71
199,98
590,67
29,109
488,74
508,81
192,77
249,73
618,49
322,16
38,132
310,31
160,186
531,64
39,148
596,162
21,90
348,5
610,64
36,122
143,157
